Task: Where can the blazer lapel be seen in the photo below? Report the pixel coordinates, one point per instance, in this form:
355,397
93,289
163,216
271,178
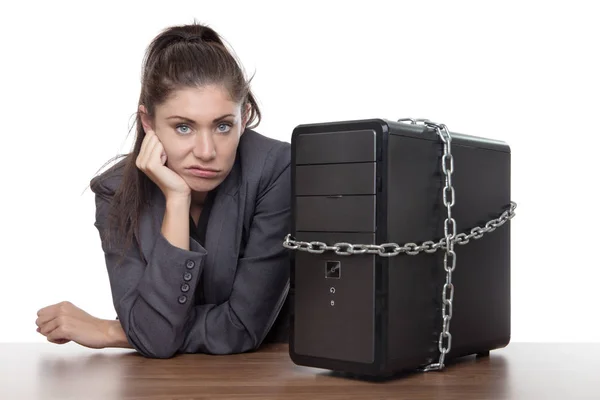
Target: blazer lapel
223,236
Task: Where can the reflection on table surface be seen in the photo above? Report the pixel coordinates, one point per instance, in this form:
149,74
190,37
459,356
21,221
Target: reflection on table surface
519,371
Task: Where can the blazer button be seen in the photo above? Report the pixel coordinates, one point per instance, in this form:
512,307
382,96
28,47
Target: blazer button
182,299
185,287
190,264
187,276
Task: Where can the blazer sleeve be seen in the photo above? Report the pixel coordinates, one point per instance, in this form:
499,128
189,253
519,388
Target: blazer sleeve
147,293
262,278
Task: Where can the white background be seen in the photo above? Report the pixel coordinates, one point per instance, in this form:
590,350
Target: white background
522,72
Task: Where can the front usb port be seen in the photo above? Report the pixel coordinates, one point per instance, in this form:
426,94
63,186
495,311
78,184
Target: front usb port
333,269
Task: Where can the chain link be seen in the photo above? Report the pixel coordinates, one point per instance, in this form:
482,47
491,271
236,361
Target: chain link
446,243
394,249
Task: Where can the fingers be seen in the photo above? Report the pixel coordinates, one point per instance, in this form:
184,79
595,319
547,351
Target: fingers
147,138
147,156
50,316
146,159
51,311
56,322
48,309
58,335
56,330
142,159
152,154
59,341
50,326
44,319
156,153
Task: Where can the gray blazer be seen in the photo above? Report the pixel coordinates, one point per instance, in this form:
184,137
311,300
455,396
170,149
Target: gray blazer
244,267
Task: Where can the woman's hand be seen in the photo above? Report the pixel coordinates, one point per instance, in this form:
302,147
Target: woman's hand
63,322
151,161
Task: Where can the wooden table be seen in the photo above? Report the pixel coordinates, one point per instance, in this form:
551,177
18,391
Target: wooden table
520,371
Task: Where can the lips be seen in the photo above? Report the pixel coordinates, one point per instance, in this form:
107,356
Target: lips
202,172
203,168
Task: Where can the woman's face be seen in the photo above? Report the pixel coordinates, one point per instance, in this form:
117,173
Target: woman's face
198,127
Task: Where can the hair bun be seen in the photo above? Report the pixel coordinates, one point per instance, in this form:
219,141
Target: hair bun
196,33
175,35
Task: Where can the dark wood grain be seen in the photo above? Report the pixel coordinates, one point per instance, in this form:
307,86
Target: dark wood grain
519,371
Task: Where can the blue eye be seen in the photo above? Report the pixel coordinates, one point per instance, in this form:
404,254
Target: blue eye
185,131
226,128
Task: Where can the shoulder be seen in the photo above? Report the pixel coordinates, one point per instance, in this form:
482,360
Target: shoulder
263,158
253,141
107,183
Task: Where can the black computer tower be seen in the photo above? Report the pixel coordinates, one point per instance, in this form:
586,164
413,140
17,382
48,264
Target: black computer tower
378,181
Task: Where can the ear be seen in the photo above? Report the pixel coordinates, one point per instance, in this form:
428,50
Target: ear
145,118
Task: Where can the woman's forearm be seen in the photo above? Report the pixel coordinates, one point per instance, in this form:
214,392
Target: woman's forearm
176,222
116,335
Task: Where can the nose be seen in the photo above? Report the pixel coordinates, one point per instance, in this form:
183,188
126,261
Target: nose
204,146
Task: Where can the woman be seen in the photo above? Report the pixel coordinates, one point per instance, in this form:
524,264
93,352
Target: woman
192,221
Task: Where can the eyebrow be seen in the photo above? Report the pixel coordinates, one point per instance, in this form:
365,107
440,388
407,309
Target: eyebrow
191,121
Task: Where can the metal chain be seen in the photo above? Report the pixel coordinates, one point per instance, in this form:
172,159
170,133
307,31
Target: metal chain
394,249
447,169
446,243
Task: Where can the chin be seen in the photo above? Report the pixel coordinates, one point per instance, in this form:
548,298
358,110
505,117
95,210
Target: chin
203,185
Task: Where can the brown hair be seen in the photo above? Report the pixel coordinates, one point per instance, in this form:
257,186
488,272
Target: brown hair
179,57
